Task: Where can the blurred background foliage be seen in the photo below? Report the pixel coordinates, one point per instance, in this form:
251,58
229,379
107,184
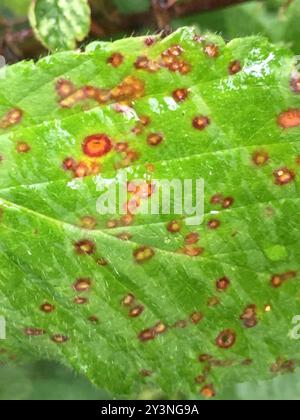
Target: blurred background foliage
276,19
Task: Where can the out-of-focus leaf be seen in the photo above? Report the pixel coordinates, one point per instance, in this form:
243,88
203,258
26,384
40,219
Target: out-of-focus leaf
15,7
132,6
140,302
59,24
279,22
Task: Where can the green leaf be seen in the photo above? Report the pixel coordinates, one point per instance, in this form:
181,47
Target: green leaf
59,24
186,295
15,7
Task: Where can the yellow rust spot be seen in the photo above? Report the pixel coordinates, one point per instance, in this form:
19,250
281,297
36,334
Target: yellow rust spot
136,311
143,254
208,391
59,339
12,117
82,285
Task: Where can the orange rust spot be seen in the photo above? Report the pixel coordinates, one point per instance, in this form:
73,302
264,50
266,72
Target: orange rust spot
124,236
128,300
136,311
102,262
80,300
278,279
82,285
174,227
212,50
223,284
127,219
85,246
227,202
69,164
284,176
121,147
130,88
196,317
155,139
23,147
144,63
289,119
81,170
214,224
260,158
160,328
143,254
208,391
201,122
59,339
295,83
180,95
47,307
192,251
97,145
234,67
34,332
226,339
249,316
213,301
192,238
64,88
116,59
174,50
11,118
111,224
88,222
147,335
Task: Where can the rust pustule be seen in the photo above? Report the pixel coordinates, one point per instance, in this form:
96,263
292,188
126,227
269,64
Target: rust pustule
180,95
59,339
260,158
47,307
82,285
226,339
234,67
201,122
85,247
97,145
143,254
289,118
116,59
284,176
223,284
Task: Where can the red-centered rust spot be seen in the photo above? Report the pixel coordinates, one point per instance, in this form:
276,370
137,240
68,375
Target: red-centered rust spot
192,238
155,139
143,254
64,88
34,332
11,118
69,164
127,219
102,262
249,316
180,95
196,317
234,67
212,50
88,222
201,122
47,307
149,41
82,285
208,391
128,300
223,284
80,300
295,83
97,145
192,251
136,311
290,118
216,199
85,247
227,202
260,158
147,335
124,236
284,176
59,338
174,227
226,339
214,224
23,147
116,59
160,328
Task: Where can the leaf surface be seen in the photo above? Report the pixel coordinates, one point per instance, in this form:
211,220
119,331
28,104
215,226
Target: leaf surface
211,304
